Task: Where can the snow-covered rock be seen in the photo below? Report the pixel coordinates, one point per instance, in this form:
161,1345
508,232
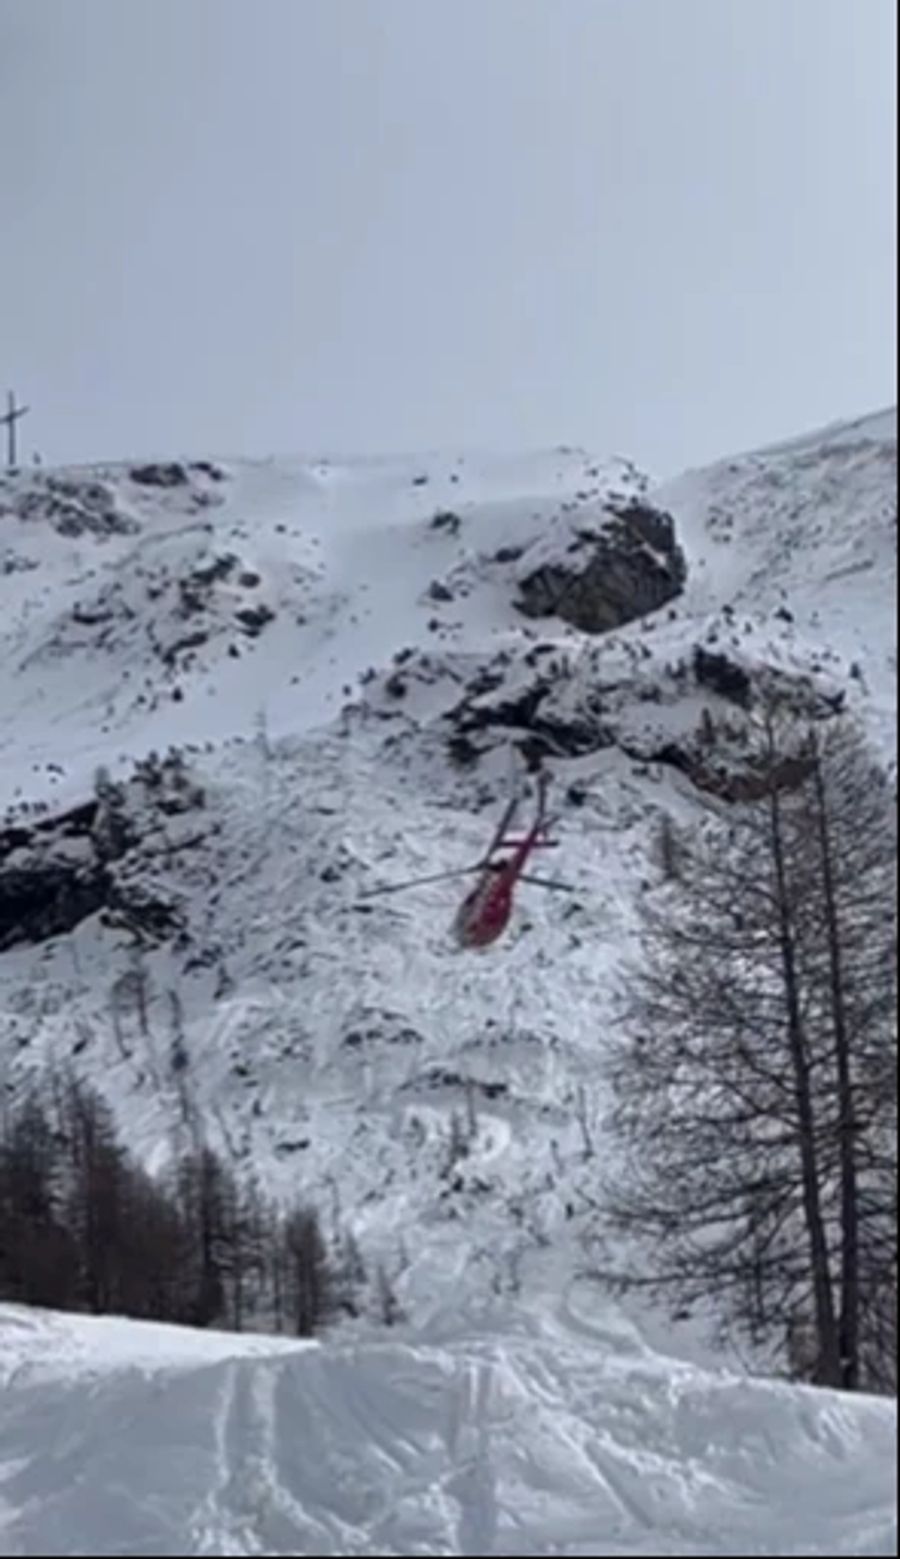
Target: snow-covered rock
608,567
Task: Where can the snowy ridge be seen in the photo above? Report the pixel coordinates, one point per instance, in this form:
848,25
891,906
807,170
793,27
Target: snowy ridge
809,526
135,615
126,1438
121,629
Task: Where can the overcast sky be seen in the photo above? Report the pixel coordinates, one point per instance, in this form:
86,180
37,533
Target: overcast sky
660,228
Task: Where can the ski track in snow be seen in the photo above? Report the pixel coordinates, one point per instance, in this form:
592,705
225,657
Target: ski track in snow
531,1445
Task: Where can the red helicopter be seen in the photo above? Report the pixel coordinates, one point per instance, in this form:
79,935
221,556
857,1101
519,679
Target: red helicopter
484,913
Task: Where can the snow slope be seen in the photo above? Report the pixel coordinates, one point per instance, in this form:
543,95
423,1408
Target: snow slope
97,661
96,629
127,1438
333,1037
812,525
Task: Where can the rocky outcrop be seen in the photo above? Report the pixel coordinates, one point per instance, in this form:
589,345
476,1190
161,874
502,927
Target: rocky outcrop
722,675
374,1026
744,783
174,610
160,474
552,706
56,872
72,505
536,731
47,888
625,566
446,520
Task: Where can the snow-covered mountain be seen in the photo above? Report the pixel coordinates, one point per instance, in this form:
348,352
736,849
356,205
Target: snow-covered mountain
352,658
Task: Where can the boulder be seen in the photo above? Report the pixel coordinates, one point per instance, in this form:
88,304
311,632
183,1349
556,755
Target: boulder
45,892
627,565
160,474
722,675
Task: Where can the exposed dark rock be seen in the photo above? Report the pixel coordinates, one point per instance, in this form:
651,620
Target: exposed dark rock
722,676
221,567
731,783
254,618
74,506
437,1077
188,641
136,908
446,520
289,1145
463,751
43,899
625,567
541,734
382,1028
439,592
43,894
160,474
94,617
59,870
484,681
507,554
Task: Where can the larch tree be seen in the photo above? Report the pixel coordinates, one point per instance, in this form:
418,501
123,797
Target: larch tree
752,1081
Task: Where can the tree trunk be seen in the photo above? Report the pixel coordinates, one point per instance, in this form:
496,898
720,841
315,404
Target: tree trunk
849,1297
828,1372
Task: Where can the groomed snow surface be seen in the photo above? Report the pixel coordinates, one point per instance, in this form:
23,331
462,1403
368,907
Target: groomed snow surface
127,1438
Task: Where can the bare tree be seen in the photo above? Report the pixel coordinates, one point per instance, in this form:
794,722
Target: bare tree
668,845
84,1227
140,988
389,1308
350,1274
458,1142
37,1258
750,1084
311,1295
584,1125
95,1202
207,1197
851,972
471,1110
130,994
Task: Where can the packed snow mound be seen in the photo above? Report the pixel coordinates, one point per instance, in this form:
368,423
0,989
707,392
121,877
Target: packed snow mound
120,1437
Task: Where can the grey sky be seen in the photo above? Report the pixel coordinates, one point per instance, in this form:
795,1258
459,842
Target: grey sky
661,228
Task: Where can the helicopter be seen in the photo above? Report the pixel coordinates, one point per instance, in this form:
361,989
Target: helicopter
485,912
